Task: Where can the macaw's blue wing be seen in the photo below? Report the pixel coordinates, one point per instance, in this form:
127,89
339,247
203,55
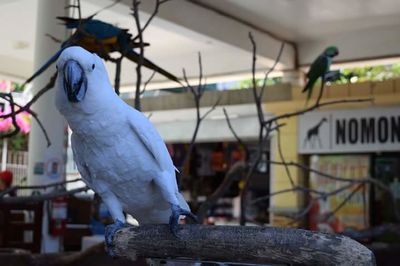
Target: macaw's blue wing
96,28
44,67
101,29
102,38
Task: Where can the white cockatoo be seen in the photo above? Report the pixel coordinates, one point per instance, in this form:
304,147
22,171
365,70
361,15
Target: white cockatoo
118,152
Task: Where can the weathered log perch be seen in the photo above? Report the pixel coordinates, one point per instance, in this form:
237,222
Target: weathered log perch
241,244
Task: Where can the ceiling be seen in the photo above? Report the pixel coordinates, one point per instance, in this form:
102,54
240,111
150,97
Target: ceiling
362,29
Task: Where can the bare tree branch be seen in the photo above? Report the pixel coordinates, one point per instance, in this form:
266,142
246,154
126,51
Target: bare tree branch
117,80
135,13
9,97
280,152
239,140
36,97
345,200
152,16
147,82
264,130
43,197
211,109
233,174
316,106
266,75
141,45
197,95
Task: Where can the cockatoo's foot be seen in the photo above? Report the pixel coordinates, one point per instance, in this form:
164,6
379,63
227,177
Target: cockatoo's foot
174,219
109,235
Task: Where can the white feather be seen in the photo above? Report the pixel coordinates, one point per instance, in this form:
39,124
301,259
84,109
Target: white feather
117,150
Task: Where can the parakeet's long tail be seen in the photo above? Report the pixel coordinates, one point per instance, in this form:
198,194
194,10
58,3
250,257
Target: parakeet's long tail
147,63
308,86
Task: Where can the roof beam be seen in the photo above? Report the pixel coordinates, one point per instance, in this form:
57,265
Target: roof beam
362,45
223,27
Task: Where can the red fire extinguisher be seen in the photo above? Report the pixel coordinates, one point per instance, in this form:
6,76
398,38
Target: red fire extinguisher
58,216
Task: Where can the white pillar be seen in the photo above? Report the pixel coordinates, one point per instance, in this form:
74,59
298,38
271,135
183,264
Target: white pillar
47,164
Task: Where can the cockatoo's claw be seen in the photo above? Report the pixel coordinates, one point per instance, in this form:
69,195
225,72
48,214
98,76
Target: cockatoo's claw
174,219
109,235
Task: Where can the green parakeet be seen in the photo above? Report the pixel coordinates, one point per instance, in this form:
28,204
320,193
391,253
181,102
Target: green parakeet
319,68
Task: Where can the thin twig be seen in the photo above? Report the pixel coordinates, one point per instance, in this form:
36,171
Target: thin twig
147,82
34,115
155,11
238,139
346,199
280,152
278,58
211,109
118,63
135,14
232,175
197,95
106,7
264,130
316,106
10,99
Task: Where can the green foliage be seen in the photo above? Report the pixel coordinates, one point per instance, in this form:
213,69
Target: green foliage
19,142
370,73
17,87
248,83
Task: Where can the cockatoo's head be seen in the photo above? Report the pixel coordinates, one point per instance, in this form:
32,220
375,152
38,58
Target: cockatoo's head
82,81
331,51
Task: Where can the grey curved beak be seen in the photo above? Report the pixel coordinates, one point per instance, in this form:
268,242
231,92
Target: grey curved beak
75,83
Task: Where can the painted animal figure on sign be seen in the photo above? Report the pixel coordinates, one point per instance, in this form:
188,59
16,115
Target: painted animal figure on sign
313,134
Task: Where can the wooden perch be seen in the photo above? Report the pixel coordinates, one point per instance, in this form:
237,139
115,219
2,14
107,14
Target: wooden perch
241,244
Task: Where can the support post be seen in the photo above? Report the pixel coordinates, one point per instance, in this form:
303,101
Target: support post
47,164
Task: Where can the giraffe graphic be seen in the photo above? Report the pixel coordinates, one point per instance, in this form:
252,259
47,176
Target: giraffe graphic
313,135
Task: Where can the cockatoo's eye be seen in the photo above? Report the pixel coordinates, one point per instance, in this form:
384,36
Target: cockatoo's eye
93,66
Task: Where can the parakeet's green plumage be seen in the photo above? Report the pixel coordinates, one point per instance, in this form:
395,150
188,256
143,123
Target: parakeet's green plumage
319,68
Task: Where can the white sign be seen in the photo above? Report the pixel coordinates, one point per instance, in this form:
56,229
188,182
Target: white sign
350,131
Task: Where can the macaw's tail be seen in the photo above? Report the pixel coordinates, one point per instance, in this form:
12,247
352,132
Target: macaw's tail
44,67
133,56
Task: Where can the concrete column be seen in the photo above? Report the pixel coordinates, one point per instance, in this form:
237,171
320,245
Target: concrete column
47,164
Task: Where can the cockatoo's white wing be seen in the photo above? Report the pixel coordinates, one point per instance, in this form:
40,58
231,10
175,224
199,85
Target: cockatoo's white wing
98,185
150,138
80,163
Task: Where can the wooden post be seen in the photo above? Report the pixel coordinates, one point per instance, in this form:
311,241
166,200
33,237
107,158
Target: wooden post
241,244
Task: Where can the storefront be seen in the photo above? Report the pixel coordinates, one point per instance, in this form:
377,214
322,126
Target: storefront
352,144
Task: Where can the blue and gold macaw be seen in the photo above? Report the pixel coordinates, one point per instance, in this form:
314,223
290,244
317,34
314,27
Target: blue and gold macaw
101,38
319,68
